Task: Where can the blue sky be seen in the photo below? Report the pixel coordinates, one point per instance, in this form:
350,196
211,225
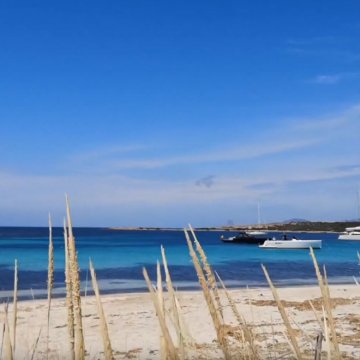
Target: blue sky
163,113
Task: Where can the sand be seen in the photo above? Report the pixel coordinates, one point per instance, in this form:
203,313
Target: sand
135,332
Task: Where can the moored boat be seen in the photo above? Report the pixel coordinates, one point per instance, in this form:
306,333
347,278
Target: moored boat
257,233
291,244
350,233
246,237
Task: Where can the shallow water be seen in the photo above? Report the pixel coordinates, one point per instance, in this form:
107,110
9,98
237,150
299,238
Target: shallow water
119,256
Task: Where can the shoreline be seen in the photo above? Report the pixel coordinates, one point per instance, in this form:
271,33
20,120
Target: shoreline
225,230
60,292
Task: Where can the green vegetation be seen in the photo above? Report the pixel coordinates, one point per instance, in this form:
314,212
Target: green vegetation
308,226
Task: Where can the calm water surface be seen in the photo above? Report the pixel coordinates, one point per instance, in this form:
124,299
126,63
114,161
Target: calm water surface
119,256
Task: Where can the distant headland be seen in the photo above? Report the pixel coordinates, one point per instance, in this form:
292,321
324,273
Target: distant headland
286,226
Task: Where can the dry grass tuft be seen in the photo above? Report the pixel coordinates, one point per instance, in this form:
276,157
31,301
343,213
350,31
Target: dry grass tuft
75,288
331,339
169,345
50,283
316,303
184,337
290,330
211,293
15,305
209,297
208,271
7,341
104,329
247,341
69,297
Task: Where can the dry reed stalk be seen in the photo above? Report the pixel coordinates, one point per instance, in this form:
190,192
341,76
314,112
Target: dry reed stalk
69,302
291,352
7,340
318,346
50,283
248,335
302,330
290,330
35,345
317,317
326,285
184,337
271,344
327,335
215,315
168,281
209,273
160,295
108,352
15,305
173,355
159,287
182,331
2,340
325,292
179,323
75,286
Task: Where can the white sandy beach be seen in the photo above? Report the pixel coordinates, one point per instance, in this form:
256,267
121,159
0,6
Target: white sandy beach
135,332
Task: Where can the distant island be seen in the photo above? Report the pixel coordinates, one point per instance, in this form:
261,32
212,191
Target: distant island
299,226
293,225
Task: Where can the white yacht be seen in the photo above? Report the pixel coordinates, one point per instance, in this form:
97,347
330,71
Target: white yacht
350,233
291,244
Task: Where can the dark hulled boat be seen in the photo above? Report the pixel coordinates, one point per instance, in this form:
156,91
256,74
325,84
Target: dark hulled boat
246,237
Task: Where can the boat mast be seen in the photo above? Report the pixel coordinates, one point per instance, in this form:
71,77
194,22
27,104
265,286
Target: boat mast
358,203
259,216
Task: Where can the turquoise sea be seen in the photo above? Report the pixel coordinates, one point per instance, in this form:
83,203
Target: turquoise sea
119,256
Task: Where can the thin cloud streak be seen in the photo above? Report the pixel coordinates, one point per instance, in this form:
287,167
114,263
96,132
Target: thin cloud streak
310,131
350,115
231,154
120,190
279,178
327,79
331,79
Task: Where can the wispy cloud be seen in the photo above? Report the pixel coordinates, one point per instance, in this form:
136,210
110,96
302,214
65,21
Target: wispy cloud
235,153
327,79
294,134
330,79
346,167
290,137
259,186
118,189
330,122
267,175
28,194
296,176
